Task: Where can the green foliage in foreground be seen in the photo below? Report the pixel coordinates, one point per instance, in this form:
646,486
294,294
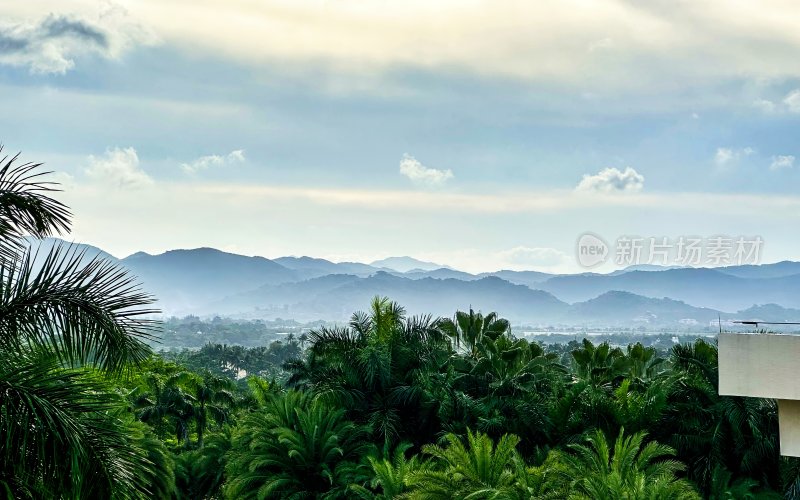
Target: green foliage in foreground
388,406
69,325
397,407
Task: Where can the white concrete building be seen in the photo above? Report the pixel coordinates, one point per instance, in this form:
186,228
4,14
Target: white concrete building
765,366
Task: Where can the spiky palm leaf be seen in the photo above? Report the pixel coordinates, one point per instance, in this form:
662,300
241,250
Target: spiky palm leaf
475,469
63,435
294,447
61,429
377,368
710,431
201,473
81,311
629,469
26,207
390,475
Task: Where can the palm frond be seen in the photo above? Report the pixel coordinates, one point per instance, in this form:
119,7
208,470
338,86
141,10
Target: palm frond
83,311
62,434
26,207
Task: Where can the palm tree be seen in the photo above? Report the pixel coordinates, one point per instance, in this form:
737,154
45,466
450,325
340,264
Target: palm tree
26,207
644,362
583,405
66,320
601,364
160,477
476,469
390,475
468,329
641,405
200,473
215,399
513,366
167,400
710,431
184,397
378,368
589,399
502,387
295,447
629,470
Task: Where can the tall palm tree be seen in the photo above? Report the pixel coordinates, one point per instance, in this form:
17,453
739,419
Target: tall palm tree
502,387
467,329
215,399
378,368
601,364
66,321
644,362
167,401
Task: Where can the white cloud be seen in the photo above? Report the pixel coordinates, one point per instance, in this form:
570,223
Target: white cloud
119,167
782,161
50,45
724,156
764,105
792,101
527,202
420,174
530,40
603,43
653,46
727,156
612,180
205,162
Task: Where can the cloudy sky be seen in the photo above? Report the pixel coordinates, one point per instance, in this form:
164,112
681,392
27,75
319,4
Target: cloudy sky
480,134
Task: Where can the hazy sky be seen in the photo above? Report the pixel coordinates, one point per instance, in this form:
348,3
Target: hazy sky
480,134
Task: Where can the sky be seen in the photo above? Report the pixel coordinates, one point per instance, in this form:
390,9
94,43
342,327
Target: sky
478,134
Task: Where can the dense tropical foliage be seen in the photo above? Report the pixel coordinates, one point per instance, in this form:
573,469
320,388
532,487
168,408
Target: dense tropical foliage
68,326
387,406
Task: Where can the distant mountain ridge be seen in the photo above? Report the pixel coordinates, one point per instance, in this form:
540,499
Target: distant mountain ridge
701,287
310,267
406,264
209,281
189,279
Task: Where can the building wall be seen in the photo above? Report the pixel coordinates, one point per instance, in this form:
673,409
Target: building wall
765,366
789,427
759,365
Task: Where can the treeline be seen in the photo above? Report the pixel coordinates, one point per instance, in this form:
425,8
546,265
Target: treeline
421,407
193,332
237,362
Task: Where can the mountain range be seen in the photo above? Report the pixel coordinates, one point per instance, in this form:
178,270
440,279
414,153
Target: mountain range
206,281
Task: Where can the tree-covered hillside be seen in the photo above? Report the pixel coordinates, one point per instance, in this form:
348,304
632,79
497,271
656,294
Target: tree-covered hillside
391,406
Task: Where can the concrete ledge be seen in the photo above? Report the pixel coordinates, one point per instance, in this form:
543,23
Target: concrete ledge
789,427
761,366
